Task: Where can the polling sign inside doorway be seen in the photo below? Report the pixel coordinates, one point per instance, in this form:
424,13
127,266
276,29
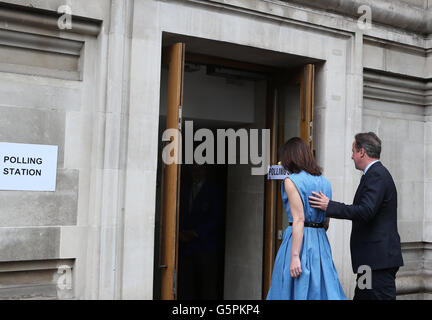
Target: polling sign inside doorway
277,172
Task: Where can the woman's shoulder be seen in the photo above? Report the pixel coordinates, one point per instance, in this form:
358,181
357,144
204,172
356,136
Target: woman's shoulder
325,181
296,177
305,174
299,174
321,178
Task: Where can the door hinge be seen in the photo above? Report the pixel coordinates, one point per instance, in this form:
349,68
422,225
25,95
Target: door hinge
174,286
180,108
280,234
310,131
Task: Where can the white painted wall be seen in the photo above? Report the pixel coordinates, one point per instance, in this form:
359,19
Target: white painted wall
213,98
244,237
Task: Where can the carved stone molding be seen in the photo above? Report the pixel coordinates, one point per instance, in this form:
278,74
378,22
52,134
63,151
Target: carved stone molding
45,19
40,55
396,88
394,13
416,275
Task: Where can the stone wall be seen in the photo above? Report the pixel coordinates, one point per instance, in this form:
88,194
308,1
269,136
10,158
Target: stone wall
396,99
95,91
53,84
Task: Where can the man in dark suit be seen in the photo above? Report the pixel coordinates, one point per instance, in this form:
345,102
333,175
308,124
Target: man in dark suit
375,241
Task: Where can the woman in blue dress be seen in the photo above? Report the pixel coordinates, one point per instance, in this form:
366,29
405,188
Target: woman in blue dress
304,268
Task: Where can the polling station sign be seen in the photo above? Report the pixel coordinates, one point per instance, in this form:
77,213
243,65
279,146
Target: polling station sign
277,172
28,167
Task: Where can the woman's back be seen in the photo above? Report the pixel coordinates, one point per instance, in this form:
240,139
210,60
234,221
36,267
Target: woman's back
304,268
305,184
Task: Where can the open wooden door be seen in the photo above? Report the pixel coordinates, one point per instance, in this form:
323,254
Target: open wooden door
174,57
300,83
307,87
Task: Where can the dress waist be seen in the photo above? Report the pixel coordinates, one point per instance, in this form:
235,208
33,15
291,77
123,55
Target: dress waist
311,224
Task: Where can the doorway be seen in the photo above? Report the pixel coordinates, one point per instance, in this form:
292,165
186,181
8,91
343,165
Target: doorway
218,92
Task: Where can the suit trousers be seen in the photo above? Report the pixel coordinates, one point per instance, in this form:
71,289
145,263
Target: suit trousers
383,286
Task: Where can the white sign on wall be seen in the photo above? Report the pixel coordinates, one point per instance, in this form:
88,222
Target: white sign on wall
28,167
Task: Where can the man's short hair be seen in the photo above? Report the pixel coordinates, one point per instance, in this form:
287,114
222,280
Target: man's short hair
370,142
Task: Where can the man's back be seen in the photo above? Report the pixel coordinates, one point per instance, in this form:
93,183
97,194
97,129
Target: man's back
375,239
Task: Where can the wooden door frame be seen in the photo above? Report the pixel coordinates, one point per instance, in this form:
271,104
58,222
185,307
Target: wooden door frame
174,57
273,208
170,213
270,190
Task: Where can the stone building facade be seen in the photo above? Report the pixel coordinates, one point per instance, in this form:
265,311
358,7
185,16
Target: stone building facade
97,91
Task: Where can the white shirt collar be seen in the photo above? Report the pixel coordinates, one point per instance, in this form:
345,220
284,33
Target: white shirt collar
370,164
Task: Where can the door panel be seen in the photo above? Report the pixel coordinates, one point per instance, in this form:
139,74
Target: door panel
271,189
174,56
289,113
307,104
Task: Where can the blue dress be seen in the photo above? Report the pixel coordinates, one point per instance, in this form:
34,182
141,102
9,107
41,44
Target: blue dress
319,279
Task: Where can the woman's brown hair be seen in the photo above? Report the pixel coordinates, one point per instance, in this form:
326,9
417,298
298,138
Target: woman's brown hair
296,156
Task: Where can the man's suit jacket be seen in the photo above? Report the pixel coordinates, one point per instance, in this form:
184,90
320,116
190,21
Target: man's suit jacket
375,240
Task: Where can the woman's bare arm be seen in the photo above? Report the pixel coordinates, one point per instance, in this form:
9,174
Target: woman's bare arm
297,210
